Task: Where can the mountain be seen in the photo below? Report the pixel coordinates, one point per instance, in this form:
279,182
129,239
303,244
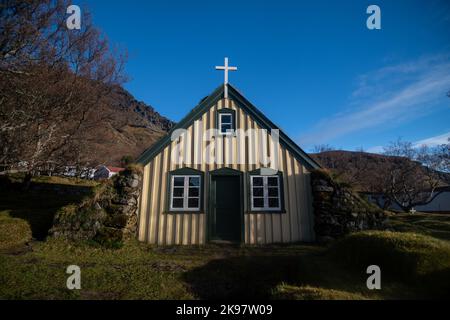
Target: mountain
127,128
357,168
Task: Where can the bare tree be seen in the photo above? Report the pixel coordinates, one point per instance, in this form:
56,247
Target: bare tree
52,84
323,148
442,157
406,174
348,167
415,178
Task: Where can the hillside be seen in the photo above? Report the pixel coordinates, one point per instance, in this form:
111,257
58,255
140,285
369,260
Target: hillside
127,128
353,166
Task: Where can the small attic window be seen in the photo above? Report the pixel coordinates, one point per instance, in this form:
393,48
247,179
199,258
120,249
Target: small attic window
226,121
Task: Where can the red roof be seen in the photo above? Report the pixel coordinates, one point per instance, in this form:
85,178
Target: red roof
115,169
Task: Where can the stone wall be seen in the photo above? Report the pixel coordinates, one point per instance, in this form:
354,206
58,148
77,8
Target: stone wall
338,210
108,216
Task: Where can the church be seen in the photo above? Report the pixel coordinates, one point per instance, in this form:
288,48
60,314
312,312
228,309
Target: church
226,174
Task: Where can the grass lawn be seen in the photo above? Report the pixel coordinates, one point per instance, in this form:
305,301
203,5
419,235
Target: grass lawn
38,205
413,265
435,225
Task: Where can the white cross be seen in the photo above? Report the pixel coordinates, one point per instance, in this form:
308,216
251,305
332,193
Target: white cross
412,211
226,68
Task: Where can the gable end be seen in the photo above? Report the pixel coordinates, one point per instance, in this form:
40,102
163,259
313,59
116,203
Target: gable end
243,103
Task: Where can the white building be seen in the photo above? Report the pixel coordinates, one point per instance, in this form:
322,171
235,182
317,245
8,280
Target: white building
106,172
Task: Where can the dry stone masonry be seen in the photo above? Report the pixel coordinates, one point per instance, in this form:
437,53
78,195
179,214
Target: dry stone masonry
339,211
108,216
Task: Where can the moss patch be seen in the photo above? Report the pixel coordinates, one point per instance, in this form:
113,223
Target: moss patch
14,232
339,211
108,215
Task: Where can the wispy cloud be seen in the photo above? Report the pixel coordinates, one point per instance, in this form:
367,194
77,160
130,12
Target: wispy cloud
433,141
390,95
430,142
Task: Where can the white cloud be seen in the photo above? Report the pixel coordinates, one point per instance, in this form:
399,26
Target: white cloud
388,96
430,142
433,141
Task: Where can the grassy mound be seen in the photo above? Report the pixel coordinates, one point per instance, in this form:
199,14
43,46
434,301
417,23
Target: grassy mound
288,292
38,205
14,232
435,225
406,257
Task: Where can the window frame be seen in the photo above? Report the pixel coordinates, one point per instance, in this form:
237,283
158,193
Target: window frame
230,131
249,192
226,112
265,196
186,196
184,172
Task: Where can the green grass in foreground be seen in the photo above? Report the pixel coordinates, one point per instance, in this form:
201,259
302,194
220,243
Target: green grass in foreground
139,271
414,264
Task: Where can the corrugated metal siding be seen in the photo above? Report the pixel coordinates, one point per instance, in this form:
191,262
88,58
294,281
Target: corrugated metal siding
157,226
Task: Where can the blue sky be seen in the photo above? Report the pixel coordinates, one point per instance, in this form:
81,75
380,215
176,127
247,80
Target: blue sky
313,67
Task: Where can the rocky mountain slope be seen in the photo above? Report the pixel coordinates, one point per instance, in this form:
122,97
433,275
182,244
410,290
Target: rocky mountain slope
127,128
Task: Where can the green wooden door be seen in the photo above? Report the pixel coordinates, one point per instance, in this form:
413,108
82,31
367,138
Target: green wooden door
226,208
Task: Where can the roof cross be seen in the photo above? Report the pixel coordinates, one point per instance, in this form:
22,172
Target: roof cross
226,68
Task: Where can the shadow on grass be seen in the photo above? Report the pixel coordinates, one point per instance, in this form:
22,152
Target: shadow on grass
39,204
255,275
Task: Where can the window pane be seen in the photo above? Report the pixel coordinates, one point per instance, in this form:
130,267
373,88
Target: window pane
258,192
177,203
272,181
258,202
194,181
257,181
273,203
193,203
193,192
225,128
178,192
273,192
178,181
226,118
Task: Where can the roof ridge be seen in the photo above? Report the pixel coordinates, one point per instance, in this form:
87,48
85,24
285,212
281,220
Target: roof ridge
215,96
291,144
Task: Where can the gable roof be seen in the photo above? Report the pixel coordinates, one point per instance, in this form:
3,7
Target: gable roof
115,169
243,103
109,168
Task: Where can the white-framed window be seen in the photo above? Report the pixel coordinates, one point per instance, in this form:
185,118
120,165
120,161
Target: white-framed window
265,193
185,193
226,123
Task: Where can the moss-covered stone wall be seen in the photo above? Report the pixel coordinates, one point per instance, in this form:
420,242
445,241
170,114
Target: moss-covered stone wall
339,211
108,216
